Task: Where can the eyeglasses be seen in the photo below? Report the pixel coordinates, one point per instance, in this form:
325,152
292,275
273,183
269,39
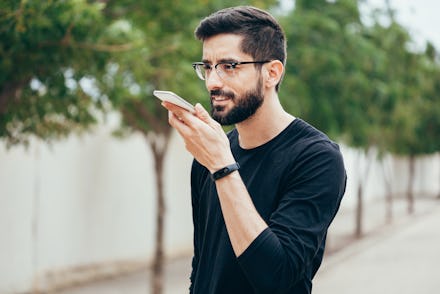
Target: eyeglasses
225,70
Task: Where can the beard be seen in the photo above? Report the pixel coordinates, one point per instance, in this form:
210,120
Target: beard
245,106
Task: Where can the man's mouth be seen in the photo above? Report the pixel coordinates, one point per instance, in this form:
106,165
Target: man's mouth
219,95
219,98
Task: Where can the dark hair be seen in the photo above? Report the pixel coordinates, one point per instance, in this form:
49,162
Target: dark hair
263,37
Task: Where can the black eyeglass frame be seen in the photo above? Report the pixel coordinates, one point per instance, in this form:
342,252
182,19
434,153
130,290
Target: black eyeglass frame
233,64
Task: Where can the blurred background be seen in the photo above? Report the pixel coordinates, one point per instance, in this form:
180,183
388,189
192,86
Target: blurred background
94,184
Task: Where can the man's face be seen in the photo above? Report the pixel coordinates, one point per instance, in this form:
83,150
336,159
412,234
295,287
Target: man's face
235,95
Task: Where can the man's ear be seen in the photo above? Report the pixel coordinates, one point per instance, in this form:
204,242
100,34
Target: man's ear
274,72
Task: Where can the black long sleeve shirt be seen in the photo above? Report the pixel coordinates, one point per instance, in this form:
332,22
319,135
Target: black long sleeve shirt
296,182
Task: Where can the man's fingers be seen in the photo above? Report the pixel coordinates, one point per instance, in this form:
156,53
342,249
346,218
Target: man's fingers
172,107
182,114
179,124
198,120
202,113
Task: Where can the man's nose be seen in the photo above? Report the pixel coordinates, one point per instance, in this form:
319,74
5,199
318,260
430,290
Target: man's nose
213,81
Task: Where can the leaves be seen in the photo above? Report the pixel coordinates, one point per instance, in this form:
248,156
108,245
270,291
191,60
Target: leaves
63,60
40,42
360,83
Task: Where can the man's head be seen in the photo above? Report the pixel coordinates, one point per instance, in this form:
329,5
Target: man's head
263,37
244,46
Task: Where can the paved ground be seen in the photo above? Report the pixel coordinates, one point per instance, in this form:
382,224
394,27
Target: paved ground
399,258
177,282
403,261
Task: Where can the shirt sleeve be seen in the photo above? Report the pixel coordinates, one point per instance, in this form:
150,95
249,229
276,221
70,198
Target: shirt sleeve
285,252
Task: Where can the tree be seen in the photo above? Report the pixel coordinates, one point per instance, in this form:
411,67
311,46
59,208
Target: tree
161,62
48,51
416,119
412,77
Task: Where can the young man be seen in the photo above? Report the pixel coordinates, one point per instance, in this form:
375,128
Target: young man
263,195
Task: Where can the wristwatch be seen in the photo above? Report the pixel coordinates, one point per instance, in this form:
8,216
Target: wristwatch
223,172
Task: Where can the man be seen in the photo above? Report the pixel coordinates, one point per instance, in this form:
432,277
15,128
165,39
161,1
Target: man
263,195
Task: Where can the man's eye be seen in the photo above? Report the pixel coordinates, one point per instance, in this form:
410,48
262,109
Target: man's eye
229,66
206,66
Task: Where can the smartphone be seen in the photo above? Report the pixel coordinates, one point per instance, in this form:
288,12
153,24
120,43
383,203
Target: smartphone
171,97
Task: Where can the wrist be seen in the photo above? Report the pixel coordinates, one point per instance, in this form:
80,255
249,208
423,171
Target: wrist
220,162
225,171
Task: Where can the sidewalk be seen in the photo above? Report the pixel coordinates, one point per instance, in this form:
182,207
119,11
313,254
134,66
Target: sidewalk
176,281
399,258
403,259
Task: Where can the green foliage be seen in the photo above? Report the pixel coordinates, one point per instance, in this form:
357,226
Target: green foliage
46,49
416,119
328,65
411,119
360,84
62,62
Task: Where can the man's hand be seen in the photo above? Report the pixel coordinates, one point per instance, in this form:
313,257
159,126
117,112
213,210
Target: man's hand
204,137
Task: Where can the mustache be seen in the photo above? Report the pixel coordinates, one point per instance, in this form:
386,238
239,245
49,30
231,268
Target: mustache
222,93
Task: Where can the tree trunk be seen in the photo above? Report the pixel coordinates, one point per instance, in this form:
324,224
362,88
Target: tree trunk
158,273
159,145
409,192
158,138
359,231
438,195
389,205
388,191
359,211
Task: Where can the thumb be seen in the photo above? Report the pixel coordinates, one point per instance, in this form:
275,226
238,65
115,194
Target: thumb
202,113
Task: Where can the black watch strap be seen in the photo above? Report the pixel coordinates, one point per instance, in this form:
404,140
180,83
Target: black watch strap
225,171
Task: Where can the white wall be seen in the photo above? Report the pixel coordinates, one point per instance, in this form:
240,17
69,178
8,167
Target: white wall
86,200
395,169
91,199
